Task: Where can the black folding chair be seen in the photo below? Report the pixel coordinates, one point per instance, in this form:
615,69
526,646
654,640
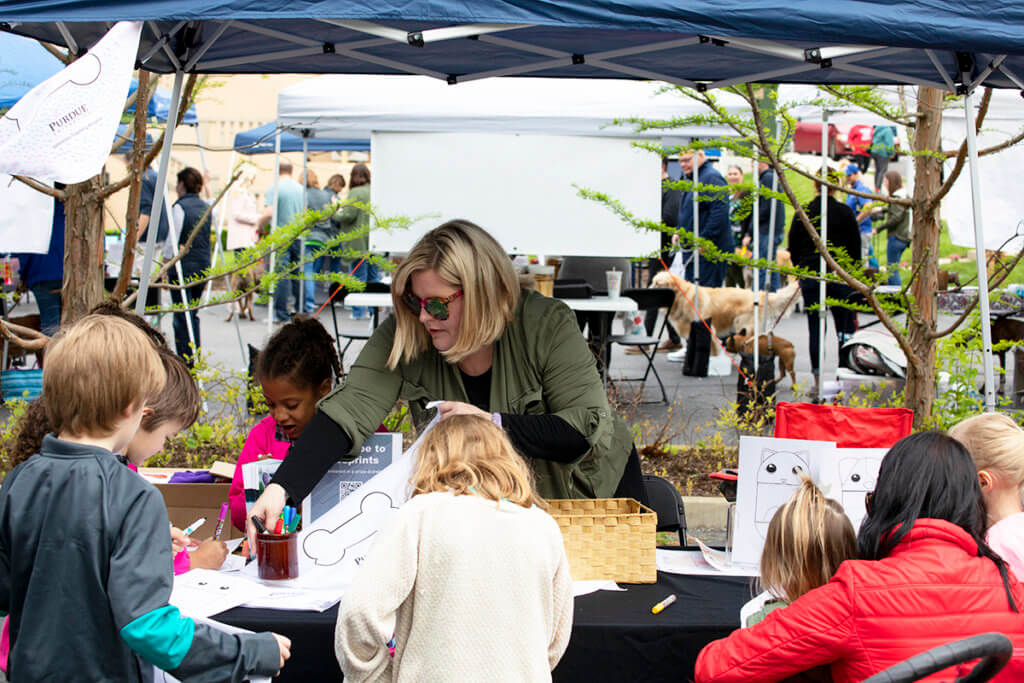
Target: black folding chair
665,500
994,650
646,300
362,332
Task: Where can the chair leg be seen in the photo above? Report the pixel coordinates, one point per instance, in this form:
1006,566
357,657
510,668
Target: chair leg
337,338
651,368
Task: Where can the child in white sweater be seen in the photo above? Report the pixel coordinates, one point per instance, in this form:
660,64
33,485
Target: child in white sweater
469,581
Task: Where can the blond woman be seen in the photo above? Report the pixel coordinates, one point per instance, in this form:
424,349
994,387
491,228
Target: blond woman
469,580
996,444
464,333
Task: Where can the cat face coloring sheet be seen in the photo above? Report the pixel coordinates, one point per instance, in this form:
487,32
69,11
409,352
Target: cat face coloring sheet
778,477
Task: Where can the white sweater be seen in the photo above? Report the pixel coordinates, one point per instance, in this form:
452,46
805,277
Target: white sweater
471,589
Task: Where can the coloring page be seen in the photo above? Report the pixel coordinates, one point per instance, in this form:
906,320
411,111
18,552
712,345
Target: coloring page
204,592
769,474
854,472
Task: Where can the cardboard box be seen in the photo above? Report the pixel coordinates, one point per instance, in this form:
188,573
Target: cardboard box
188,502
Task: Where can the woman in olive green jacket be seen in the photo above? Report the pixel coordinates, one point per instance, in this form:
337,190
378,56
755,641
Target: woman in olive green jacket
464,333
353,216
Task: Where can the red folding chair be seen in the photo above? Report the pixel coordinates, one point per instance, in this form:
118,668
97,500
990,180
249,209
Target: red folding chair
847,427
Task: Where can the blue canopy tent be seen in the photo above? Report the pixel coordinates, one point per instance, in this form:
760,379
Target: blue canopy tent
260,140
700,43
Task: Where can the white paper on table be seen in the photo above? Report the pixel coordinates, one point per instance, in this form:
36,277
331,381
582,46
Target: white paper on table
333,547
587,587
204,592
694,563
161,676
292,596
769,474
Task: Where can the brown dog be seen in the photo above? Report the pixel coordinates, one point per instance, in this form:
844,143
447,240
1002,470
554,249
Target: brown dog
242,282
741,342
730,308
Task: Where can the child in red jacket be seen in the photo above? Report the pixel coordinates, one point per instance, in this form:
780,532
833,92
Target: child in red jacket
296,369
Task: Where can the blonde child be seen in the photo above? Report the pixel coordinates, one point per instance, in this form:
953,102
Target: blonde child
808,538
296,369
469,580
996,444
84,546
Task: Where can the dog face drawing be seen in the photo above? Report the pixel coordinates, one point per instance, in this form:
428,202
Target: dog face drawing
777,478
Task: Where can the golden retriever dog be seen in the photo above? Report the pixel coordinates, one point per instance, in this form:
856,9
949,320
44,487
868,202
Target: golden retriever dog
730,308
741,342
244,281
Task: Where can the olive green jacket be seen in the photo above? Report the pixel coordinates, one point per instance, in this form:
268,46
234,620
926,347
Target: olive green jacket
351,217
541,365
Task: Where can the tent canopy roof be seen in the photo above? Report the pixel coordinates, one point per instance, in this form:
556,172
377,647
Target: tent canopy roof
352,106
707,42
260,140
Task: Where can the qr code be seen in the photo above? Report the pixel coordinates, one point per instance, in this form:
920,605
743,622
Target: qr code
347,487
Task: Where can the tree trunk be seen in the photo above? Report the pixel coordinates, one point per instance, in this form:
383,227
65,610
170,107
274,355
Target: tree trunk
924,244
83,249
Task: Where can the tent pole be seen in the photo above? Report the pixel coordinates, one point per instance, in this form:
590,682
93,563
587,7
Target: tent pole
694,195
979,256
771,227
273,222
302,240
172,236
757,251
158,196
821,257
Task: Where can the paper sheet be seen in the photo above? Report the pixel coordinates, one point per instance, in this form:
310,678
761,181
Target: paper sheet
160,676
297,598
204,592
587,587
694,563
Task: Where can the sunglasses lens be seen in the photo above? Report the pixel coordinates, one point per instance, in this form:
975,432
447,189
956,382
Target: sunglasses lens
437,309
412,302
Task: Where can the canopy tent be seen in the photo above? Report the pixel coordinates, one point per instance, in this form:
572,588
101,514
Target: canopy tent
702,44
356,106
260,140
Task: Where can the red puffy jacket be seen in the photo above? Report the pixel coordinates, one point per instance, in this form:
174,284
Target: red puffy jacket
932,589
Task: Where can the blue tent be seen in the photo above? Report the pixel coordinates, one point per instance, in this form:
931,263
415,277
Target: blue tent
124,133
261,141
698,42
24,64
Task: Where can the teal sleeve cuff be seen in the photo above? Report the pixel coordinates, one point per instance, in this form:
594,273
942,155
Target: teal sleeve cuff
161,637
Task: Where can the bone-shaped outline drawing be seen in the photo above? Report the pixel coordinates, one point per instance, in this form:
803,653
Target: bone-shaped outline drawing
369,504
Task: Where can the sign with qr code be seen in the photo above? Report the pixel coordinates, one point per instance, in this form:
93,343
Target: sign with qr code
343,478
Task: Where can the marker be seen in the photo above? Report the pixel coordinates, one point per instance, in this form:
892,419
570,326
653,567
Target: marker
258,524
295,523
220,521
279,527
194,526
289,512
663,604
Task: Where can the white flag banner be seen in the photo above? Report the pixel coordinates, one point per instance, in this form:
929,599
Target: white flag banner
63,128
26,217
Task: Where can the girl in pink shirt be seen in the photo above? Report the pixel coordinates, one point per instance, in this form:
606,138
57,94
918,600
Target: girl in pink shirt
296,369
996,444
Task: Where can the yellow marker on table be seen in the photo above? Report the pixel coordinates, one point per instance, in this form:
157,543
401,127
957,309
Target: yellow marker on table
663,604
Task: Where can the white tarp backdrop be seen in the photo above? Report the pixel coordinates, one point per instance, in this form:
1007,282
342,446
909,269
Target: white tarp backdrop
63,128
26,217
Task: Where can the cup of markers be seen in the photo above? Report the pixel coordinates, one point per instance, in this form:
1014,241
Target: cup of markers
277,550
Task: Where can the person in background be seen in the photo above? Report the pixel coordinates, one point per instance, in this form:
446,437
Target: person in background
191,214
713,214
883,146
468,579
843,238
996,444
43,274
146,194
354,216
861,207
766,206
316,200
925,577
331,262
734,176
895,221
287,195
243,213
807,539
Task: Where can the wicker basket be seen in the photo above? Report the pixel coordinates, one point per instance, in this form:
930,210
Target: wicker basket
608,538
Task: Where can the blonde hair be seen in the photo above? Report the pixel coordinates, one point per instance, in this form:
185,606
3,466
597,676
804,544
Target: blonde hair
808,538
465,256
995,442
470,455
94,371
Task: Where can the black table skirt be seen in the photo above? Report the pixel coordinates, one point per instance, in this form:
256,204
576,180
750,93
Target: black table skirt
614,635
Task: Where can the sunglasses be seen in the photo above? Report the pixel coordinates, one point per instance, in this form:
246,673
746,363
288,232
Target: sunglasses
436,306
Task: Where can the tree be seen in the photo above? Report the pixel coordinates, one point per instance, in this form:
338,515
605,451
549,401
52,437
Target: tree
918,338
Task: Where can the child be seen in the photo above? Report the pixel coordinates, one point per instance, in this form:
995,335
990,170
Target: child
808,538
469,580
996,444
84,547
296,369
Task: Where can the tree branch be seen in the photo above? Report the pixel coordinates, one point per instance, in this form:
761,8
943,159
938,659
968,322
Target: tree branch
994,284
961,153
23,337
63,55
131,236
39,187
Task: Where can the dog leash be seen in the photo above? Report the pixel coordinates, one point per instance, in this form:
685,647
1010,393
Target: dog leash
679,286
338,289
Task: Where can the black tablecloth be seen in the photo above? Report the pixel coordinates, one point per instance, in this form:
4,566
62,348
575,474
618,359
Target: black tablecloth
614,635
